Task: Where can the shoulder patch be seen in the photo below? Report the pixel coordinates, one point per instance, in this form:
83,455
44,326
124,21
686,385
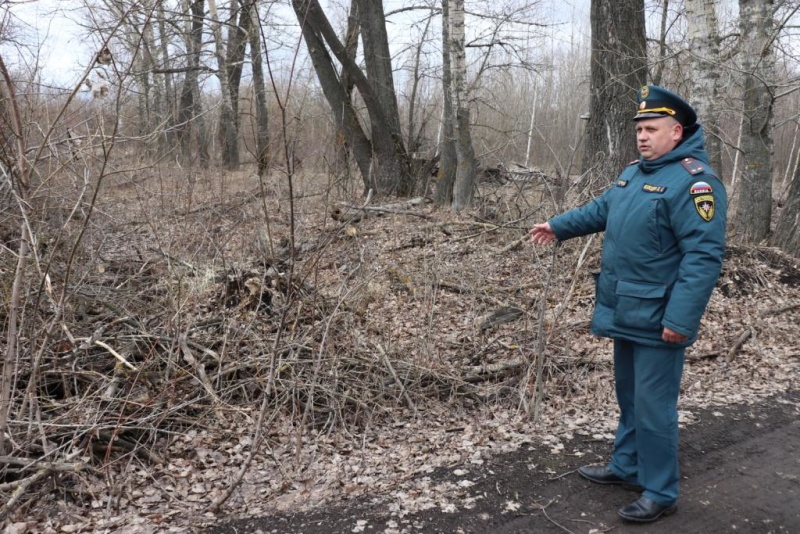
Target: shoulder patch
700,188
622,183
704,204
692,166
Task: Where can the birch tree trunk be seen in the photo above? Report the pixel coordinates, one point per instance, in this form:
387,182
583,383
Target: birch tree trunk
703,37
464,188
618,69
754,208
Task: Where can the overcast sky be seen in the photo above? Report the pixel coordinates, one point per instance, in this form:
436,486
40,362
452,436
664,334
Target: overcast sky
52,28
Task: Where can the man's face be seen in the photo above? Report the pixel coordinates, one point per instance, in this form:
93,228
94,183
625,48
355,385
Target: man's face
655,137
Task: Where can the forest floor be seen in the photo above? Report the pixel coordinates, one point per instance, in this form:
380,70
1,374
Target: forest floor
741,473
375,371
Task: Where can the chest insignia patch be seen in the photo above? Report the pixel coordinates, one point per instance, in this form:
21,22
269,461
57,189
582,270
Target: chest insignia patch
647,188
700,188
705,206
622,183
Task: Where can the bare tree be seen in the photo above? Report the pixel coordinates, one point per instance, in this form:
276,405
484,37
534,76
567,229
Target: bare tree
754,207
618,68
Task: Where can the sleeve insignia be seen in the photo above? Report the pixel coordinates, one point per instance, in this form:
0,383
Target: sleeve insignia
693,166
622,183
647,188
705,206
700,188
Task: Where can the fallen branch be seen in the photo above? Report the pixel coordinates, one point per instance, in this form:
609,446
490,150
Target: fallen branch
778,311
744,335
117,355
26,463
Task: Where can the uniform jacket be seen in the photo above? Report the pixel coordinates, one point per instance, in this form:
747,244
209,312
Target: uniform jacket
664,223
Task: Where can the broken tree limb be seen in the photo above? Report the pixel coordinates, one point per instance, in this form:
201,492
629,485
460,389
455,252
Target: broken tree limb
350,213
744,335
778,311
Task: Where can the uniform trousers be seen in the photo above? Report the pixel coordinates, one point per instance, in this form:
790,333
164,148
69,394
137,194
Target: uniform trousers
648,381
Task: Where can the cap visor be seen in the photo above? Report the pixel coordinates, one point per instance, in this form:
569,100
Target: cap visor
640,116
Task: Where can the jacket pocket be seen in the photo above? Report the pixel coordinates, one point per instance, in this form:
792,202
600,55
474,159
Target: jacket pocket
639,305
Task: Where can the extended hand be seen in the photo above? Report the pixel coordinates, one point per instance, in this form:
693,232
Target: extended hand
542,234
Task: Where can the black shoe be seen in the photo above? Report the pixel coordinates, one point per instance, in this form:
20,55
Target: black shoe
600,474
643,510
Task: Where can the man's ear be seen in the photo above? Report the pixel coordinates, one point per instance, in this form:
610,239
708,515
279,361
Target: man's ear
677,132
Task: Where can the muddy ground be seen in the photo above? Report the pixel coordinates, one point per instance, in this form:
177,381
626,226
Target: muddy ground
740,466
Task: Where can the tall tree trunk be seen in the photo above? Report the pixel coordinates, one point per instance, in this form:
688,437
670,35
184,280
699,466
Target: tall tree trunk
447,145
342,146
238,34
262,129
464,188
344,113
189,116
618,69
390,171
163,60
390,166
703,36
227,121
754,207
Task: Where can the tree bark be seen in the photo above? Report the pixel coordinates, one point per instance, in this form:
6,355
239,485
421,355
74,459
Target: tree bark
618,69
464,187
238,35
189,109
703,37
447,148
390,167
344,114
390,171
754,207
259,87
227,121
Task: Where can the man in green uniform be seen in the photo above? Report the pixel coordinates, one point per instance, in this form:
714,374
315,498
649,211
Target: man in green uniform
664,222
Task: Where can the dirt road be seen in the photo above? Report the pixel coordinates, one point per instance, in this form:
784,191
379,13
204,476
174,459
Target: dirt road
740,466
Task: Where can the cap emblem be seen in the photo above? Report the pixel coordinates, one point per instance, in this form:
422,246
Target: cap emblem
644,92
